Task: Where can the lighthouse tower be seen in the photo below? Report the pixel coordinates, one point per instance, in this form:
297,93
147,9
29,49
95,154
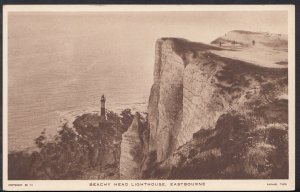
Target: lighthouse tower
102,111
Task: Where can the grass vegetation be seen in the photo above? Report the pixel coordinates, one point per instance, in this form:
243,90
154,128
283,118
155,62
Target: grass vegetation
73,150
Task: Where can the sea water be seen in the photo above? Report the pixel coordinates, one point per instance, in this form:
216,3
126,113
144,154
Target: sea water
47,99
54,76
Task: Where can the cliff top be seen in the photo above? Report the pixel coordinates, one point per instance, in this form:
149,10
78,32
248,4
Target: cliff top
245,38
259,48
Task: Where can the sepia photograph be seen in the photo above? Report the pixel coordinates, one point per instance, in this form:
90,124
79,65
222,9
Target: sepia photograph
148,97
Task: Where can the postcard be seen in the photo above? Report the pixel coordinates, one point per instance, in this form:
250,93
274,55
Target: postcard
148,97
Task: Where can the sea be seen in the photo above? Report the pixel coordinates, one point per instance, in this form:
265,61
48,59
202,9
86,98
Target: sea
55,76
45,103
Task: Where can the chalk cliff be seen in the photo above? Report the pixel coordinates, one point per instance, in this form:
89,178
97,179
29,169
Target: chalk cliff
165,102
132,150
196,84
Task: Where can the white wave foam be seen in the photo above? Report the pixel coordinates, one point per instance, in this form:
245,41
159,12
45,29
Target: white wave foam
68,116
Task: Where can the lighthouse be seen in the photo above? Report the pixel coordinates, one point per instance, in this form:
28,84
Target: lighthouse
102,110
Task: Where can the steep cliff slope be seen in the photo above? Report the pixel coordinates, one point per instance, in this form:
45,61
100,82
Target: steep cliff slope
193,86
236,148
166,102
197,85
131,151
133,147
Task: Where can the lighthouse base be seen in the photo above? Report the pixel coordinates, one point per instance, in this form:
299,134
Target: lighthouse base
102,120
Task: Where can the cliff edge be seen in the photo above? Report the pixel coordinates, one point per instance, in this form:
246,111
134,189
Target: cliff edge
196,85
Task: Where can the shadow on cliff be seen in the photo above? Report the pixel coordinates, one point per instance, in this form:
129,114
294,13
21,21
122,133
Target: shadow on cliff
235,109
235,149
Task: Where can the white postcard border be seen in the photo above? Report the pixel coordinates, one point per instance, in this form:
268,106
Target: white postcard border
37,185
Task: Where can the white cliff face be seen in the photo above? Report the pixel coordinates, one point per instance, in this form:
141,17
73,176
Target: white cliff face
165,103
193,87
131,152
200,108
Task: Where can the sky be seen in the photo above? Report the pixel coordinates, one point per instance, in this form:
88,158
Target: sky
131,33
